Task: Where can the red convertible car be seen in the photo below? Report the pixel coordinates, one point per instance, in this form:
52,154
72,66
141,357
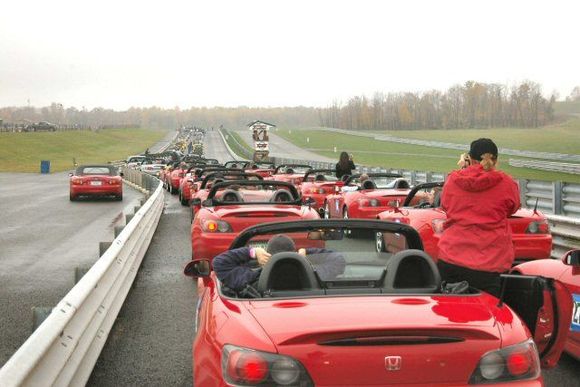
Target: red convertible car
291,173
262,168
421,210
232,206
351,317
366,199
567,271
237,164
318,184
96,180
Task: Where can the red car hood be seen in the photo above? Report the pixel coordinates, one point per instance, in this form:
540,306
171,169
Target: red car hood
276,210
377,193
440,339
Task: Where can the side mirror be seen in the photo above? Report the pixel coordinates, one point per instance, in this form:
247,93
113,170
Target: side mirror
207,203
572,258
121,174
70,174
195,202
197,269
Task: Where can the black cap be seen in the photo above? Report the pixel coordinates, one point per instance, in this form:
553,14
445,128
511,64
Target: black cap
482,146
280,243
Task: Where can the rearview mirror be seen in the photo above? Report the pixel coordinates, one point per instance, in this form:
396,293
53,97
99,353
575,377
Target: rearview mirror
196,269
70,174
325,235
572,258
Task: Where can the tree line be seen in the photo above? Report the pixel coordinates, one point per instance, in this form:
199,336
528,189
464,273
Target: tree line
472,105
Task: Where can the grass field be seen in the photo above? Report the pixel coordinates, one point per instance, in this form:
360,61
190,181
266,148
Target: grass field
22,152
370,152
244,151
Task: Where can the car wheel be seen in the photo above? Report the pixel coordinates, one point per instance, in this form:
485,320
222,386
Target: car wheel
379,242
192,212
119,197
72,198
326,210
183,201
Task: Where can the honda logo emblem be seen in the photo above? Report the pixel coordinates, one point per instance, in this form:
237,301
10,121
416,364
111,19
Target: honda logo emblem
393,363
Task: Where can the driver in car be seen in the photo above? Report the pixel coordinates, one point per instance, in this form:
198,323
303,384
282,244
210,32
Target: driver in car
236,268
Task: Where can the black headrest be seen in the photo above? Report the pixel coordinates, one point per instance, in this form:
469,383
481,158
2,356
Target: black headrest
287,271
320,178
368,184
289,170
412,271
281,196
403,184
230,195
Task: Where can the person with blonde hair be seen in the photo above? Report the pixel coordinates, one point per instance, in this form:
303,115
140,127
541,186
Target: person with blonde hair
476,243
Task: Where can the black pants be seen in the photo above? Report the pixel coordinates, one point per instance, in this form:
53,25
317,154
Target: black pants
482,280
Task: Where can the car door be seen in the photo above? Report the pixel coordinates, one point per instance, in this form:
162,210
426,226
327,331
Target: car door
571,278
545,305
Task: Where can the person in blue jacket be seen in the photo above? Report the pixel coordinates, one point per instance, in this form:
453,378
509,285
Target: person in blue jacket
237,269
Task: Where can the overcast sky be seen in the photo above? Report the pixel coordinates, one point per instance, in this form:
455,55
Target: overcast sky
118,54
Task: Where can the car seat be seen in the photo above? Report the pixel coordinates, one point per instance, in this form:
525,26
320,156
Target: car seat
402,184
289,171
231,196
320,178
288,272
281,196
369,184
412,271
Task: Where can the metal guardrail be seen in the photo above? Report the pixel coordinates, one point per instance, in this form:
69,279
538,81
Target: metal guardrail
565,234
64,348
551,166
459,147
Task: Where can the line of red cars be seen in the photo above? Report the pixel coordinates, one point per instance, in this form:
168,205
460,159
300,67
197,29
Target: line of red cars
383,317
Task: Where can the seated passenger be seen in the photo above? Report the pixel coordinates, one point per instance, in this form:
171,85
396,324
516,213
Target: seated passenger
234,267
349,188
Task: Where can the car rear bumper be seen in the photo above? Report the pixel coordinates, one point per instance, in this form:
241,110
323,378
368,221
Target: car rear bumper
103,190
532,246
208,245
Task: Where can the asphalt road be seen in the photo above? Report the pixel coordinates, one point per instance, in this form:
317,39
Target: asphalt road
280,147
43,237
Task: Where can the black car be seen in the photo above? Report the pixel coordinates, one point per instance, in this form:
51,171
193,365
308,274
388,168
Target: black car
41,126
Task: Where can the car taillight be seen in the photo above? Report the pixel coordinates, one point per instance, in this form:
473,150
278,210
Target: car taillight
77,181
215,226
248,367
316,191
394,203
516,362
114,181
369,202
538,227
438,225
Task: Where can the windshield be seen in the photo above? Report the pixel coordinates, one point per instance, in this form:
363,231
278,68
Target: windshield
96,170
348,258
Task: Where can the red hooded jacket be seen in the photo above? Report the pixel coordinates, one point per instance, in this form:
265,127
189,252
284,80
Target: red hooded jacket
477,234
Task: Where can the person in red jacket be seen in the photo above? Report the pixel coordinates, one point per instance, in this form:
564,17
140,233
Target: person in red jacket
476,244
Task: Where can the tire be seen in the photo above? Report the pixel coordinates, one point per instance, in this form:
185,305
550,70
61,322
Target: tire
119,198
72,197
192,213
184,202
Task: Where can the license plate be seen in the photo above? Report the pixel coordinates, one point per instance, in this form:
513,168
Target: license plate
262,244
575,326
96,183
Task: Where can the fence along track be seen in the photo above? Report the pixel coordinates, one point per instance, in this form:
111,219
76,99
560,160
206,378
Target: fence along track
65,347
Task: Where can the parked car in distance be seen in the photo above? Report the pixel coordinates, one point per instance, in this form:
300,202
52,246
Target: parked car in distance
41,126
567,271
96,180
134,161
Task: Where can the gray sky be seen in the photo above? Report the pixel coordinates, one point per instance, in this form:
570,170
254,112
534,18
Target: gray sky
118,54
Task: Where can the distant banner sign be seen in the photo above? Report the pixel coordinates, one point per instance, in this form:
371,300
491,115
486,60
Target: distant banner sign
576,314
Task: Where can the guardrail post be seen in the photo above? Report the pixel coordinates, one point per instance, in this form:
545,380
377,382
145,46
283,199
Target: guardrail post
523,191
557,197
428,177
413,177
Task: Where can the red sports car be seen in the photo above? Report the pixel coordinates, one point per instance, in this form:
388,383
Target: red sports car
96,180
352,317
291,173
237,164
262,168
421,210
365,199
232,206
175,176
567,271
201,188
318,184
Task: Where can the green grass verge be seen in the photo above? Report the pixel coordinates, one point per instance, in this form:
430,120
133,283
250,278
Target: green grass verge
560,138
370,152
22,152
239,147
